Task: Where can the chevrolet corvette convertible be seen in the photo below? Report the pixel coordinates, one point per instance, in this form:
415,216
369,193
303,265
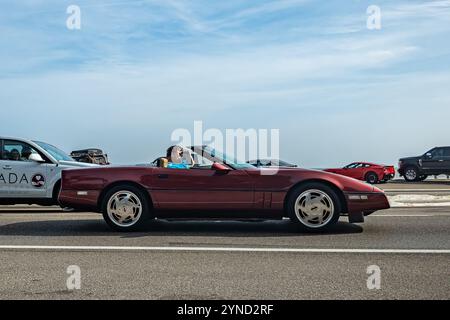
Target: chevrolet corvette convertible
217,187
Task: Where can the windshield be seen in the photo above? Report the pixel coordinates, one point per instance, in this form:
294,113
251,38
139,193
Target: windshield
235,163
54,152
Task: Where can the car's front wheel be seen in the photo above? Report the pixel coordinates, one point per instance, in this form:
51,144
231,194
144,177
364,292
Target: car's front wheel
314,207
411,174
126,208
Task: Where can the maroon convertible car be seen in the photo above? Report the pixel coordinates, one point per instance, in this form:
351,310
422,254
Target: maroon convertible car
216,187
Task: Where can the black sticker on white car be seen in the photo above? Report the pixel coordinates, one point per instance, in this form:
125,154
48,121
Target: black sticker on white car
38,181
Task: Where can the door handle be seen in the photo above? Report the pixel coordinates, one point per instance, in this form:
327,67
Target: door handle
7,167
441,160
163,176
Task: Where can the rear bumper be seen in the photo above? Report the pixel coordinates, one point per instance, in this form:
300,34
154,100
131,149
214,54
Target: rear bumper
388,177
85,200
366,203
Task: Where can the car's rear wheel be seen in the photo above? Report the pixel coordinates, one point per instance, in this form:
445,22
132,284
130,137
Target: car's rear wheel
314,207
411,174
371,178
126,208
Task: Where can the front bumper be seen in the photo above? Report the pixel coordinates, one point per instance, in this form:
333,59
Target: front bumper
366,203
86,200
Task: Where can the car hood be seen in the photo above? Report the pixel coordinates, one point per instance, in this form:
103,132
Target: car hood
75,164
344,183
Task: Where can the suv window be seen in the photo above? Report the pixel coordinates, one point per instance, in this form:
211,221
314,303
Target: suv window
16,151
437,153
447,152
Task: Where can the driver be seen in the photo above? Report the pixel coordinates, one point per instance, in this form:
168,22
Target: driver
26,153
179,158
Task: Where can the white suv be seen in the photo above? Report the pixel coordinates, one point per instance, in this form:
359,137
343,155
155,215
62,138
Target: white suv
30,171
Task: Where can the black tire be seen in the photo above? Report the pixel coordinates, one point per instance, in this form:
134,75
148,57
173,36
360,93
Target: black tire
56,191
411,174
371,177
297,192
144,216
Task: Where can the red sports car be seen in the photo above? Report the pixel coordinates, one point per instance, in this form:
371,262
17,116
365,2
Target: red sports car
369,172
217,187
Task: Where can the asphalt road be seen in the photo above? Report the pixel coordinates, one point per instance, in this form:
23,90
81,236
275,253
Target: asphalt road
400,186
224,260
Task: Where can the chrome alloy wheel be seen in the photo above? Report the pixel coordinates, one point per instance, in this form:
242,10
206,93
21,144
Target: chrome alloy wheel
124,208
411,174
314,208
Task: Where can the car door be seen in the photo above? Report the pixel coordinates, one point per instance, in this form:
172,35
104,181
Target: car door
345,171
202,188
20,177
354,170
360,171
433,162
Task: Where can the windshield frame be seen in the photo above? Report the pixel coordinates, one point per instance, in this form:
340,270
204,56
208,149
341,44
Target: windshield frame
220,157
54,152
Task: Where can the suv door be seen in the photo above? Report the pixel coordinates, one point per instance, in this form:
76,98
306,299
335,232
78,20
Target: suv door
432,162
20,177
445,165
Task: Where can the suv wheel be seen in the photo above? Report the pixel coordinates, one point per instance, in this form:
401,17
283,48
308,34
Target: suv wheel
411,174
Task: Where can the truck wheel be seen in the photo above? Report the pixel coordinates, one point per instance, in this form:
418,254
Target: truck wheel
371,178
411,174
314,207
126,208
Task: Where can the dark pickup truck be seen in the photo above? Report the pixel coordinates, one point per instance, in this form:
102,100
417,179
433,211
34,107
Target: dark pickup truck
434,162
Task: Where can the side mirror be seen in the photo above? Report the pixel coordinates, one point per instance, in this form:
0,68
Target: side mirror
429,155
220,167
36,158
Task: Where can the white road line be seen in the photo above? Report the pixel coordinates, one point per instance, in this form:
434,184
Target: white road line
224,249
409,215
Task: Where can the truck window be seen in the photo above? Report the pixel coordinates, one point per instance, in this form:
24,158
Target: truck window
447,152
437,153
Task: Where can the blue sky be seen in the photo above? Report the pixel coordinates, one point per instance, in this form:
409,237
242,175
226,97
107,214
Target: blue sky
137,70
